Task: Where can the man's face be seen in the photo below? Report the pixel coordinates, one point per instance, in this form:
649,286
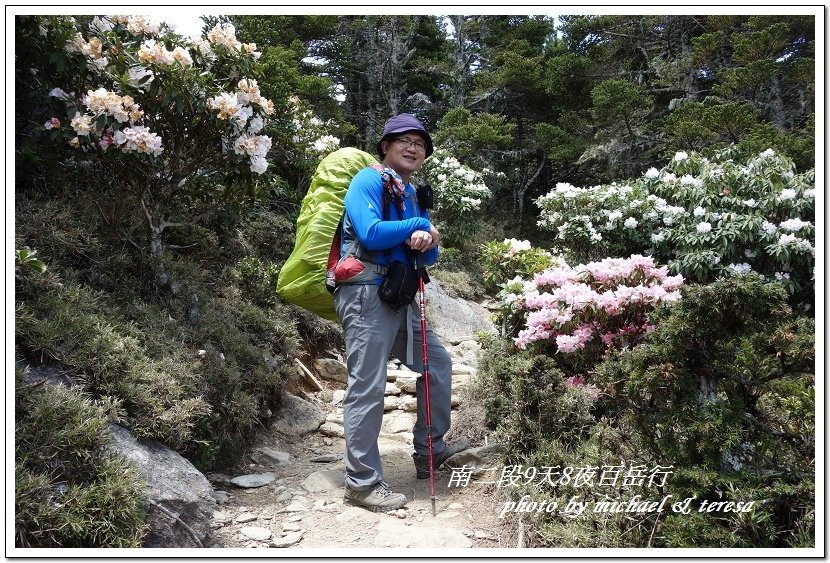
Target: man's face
405,153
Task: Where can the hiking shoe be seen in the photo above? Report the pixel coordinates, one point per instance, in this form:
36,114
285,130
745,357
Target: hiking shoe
379,498
422,461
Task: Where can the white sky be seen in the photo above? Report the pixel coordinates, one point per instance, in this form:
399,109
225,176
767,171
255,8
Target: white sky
187,23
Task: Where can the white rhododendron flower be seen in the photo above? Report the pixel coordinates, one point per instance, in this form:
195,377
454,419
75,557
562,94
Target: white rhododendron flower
140,77
786,194
182,56
226,104
224,35
82,124
769,227
704,227
138,139
741,269
142,25
258,164
794,224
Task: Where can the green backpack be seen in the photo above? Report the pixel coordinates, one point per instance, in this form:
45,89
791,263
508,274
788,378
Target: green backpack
302,279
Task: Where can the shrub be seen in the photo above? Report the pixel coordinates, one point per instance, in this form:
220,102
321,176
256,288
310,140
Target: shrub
723,390
505,260
69,492
459,192
705,218
581,313
719,397
725,381
68,325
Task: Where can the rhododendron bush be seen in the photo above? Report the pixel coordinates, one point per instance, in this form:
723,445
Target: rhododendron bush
511,257
705,217
589,308
173,124
460,192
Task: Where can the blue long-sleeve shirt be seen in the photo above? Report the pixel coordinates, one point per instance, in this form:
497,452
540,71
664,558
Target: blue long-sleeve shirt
364,219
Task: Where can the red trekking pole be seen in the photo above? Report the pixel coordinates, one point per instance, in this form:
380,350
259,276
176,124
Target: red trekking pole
422,302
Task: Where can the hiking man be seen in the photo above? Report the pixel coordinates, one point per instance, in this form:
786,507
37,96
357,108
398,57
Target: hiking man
378,230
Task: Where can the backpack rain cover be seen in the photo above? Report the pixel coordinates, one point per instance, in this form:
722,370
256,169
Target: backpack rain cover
302,279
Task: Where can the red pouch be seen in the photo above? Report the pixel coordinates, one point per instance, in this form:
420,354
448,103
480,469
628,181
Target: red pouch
348,269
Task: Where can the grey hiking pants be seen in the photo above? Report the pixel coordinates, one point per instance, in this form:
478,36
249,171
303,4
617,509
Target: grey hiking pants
372,330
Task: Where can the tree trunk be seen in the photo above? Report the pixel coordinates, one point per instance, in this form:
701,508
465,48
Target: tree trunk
157,226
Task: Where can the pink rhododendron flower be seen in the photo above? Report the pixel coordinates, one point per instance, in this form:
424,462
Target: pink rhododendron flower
571,304
105,142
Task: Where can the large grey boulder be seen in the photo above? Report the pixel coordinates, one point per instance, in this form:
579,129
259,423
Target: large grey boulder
454,319
297,417
180,499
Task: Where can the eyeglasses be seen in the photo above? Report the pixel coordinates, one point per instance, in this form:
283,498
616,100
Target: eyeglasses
406,143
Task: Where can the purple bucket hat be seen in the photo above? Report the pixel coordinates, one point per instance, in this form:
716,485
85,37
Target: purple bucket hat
402,123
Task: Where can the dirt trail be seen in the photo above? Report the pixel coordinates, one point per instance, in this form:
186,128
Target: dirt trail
303,506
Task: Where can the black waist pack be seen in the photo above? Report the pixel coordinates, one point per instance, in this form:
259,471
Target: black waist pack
399,286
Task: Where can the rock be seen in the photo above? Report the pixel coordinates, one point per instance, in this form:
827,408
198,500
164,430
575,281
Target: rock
323,481
395,374
454,401
287,540
256,533
407,384
297,417
481,459
272,455
298,504
327,505
338,396
221,517
253,481
460,381
467,353
462,369
333,430
333,370
390,403
221,496
454,319
392,389
326,458
409,404
177,492
447,515
219,478
54,375
244,518
395,533
291,527
394,423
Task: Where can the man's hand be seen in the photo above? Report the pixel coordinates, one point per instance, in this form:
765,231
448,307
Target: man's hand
422,240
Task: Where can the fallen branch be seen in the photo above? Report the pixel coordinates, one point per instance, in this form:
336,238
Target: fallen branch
179,520
308,375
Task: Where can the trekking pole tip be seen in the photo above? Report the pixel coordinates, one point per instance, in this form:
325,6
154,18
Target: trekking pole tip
433,506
